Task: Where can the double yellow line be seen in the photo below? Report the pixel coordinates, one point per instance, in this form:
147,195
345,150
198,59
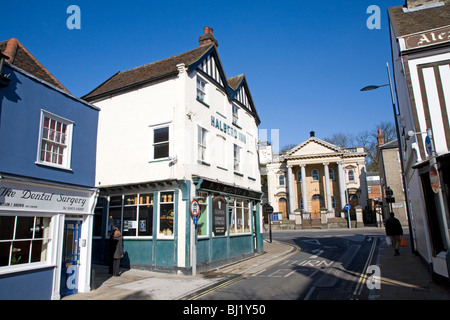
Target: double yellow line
215,287
363,277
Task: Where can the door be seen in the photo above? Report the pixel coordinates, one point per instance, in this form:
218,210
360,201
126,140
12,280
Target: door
70,257
282,207
316,204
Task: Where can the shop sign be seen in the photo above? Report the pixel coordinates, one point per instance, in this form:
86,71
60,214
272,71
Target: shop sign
35,197
219,216
219,187
427,38
222,126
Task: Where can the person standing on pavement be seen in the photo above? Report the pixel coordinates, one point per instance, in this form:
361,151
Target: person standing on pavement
394,231
118,252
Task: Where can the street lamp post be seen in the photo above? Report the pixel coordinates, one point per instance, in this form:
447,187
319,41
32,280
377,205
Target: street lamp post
373,87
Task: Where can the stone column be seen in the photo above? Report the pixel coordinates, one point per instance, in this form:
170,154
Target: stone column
304,189
290,185
327,186
342,186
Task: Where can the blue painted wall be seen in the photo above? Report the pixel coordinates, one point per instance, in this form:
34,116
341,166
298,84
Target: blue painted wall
33,285
20,111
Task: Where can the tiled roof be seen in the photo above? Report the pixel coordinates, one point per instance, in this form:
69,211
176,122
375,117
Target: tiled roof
21,58
147,73
406,23
234,82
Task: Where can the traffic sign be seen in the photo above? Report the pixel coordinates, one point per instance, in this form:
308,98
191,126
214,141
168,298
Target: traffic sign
195,208
347,207
268,209
428,145
434,179
195,219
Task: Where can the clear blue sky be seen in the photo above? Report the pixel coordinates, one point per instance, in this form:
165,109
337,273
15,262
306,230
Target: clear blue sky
305,61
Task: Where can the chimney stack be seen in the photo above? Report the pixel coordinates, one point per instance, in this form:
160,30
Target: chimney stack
380,138
312,134
207,37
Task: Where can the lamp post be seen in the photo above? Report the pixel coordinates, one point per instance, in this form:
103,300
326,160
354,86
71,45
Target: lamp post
394,108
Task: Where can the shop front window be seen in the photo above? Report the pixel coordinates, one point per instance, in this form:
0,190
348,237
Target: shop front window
239,216
166,215
23,239
136,214
202,223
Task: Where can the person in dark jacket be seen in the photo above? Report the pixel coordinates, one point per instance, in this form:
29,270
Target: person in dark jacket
394,231
118,252
112,249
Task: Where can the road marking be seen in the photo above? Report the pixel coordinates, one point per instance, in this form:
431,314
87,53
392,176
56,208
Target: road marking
363,276
317,253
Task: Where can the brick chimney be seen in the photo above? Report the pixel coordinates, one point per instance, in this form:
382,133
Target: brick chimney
380,138
207,37
413,4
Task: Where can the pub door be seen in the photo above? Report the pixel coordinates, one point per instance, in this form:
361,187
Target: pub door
70,257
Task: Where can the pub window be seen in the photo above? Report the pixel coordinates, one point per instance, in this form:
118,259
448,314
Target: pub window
55,141
160,145
24,239
201,89
237,158
202,144
239,217
202,223
166,215
235,114
134,218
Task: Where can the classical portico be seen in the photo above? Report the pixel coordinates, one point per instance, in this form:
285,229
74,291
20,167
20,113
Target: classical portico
317,178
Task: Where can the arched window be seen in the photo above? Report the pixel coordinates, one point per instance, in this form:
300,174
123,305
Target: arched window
351,175
315,175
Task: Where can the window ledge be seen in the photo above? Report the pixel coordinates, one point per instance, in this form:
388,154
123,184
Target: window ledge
55,166
203,102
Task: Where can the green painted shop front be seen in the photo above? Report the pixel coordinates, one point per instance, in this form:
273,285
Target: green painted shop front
139,212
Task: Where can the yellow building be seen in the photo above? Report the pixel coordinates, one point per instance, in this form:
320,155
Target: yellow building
312,182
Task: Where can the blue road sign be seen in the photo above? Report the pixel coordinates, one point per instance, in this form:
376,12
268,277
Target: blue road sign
195,219
347,207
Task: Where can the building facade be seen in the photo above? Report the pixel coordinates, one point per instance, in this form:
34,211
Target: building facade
312,183
47,171
420,45
170,132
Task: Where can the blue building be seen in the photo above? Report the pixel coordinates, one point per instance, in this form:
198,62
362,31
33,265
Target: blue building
47,171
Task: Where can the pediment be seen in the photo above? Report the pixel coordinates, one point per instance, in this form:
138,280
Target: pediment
313,146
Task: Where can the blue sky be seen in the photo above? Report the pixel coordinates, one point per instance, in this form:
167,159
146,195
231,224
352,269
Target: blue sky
305,61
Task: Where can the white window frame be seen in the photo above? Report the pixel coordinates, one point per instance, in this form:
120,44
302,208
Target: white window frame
351,175
67,146
202,145
237,158
201,88
235,112
50,259
151,140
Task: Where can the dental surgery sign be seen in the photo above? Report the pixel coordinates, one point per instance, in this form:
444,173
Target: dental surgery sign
231,131
35,197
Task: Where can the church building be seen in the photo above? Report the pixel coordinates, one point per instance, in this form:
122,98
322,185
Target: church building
311,184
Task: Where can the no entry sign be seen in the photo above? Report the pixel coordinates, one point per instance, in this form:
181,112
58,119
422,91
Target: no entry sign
195,208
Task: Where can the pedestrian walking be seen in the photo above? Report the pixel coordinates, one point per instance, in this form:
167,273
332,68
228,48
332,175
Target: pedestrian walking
117,243
394,231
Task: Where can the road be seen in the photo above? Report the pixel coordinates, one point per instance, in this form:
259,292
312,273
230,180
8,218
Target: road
325,265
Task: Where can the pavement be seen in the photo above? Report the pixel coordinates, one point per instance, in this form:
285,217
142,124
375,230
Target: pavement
403,277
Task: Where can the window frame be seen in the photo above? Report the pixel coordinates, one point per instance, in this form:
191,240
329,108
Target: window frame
237,158
235,114
202,145
312,175
160,235
239,209
67,147
167,125
352,177
201,89
47,239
